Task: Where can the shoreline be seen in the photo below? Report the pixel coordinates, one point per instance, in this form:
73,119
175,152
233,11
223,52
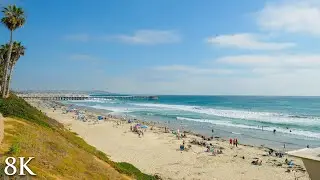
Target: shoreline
157,124
158,152
250,140
292,137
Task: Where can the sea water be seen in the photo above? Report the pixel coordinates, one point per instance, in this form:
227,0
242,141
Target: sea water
251,119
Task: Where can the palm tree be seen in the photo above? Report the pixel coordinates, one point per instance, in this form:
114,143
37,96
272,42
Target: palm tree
13,19
3,54
17,51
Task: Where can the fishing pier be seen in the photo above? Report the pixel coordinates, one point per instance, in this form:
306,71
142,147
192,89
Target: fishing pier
75,97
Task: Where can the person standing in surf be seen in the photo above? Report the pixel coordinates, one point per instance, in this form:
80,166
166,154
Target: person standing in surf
178,133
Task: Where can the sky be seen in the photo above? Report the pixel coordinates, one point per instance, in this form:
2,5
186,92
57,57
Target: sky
207,47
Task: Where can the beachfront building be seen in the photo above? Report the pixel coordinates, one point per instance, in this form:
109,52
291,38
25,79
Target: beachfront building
311,160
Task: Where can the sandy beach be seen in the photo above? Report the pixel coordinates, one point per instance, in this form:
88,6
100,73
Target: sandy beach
157,152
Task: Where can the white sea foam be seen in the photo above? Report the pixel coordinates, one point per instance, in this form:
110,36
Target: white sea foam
235,133
240,114
113,109
96,100
278,129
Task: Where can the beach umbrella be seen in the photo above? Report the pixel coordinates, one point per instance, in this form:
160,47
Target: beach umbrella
144,126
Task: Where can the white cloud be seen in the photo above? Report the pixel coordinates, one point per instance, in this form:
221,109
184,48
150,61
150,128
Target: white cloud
291,16
149,37
78,37
247,41
247,60
146,37
299,83
253,80
267,70
193,70
276,60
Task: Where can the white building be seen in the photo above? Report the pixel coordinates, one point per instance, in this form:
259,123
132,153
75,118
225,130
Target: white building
311,160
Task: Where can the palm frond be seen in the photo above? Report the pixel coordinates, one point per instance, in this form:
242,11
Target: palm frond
13,17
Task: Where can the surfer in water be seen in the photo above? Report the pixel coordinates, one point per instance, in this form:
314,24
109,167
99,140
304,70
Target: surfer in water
274,131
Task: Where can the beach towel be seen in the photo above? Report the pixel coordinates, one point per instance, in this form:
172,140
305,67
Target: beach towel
211,149
291,164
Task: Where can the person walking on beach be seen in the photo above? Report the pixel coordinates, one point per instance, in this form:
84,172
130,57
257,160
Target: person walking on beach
230,142
236,142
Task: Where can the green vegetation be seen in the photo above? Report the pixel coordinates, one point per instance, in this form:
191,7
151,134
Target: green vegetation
14,106
58,152
14,149
127,168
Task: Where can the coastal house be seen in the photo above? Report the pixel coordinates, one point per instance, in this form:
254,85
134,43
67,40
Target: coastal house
311,160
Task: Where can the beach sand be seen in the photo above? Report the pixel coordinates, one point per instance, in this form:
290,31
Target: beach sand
158,153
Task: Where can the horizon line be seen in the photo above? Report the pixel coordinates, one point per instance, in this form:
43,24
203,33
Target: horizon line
159,94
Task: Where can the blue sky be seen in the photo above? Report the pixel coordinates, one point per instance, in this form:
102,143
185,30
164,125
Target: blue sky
249,47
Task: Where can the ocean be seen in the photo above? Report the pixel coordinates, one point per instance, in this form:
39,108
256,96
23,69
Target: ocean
251,119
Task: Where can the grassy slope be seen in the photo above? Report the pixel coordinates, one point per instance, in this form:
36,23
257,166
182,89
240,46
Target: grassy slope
58,153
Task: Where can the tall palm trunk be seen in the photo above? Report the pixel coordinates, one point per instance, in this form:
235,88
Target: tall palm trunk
5,71
1,71
1,75
9,80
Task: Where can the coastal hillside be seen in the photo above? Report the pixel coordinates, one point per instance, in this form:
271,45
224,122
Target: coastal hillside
59,153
